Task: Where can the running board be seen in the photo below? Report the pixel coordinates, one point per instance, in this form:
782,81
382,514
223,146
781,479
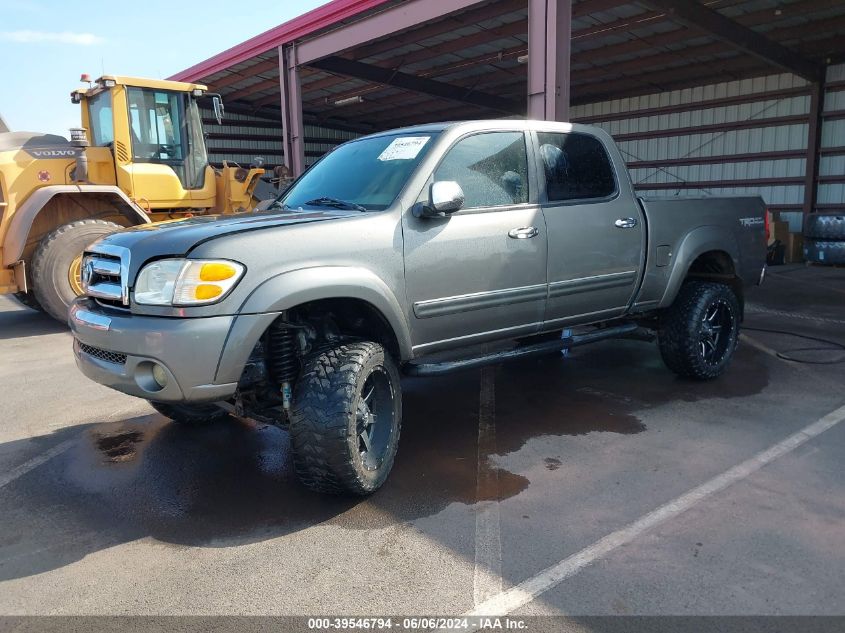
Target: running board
524,351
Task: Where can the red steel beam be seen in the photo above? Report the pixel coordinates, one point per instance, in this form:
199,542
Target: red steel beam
397,18
421,32
293,132
549,38
814,140
320,18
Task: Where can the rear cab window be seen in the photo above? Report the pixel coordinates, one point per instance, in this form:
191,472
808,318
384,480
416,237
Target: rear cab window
576,166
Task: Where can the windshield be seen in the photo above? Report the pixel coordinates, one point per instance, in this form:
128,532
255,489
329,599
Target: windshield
166,127
367,173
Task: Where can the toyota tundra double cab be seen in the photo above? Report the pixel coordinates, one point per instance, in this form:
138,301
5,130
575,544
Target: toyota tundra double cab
400,252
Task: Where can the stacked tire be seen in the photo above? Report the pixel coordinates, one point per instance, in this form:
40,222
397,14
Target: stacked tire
824,238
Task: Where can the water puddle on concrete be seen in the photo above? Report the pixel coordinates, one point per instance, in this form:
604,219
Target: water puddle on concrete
234,481
120,447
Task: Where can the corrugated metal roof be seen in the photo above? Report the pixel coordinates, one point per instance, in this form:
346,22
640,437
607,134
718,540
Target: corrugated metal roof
618,48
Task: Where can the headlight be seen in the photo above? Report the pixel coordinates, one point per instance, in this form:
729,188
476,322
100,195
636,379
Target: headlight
186,282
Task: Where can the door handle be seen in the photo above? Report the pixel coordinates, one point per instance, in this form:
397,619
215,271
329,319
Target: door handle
524,232
625,223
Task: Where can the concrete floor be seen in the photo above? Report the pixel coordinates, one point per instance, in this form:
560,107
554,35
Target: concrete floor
106,508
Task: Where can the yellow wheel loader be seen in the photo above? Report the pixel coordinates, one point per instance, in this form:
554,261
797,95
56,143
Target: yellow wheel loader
139,156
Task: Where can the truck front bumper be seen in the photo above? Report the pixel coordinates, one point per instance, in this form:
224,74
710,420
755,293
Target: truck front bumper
136,354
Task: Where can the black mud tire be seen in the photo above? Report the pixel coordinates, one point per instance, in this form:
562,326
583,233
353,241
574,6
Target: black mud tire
326,419
28,300
685,339
825,226
823,252
190,414
53,258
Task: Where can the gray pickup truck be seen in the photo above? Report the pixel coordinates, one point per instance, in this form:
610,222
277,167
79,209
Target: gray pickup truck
402,252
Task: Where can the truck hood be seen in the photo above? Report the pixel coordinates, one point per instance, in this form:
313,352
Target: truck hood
177,237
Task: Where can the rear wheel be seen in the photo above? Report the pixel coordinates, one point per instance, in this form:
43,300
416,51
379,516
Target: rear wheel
699,332
190,414
56,265
346,418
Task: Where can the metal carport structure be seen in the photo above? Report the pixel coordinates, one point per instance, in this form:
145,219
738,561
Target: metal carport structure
666,77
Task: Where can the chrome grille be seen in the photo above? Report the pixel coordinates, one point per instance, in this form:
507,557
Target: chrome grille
110,357
104,272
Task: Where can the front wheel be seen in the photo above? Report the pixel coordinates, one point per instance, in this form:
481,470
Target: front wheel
698,333
346,418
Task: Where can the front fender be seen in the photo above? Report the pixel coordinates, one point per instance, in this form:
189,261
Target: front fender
290,289
21,223
697,242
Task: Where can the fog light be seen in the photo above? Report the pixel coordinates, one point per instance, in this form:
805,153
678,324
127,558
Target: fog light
160,376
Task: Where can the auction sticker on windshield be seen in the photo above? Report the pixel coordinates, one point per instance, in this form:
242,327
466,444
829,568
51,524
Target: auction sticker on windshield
403,148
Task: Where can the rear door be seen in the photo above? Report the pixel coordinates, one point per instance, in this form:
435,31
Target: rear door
595,234
480,273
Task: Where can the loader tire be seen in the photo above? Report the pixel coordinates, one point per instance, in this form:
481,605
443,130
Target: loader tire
190,414
698,334
55,261
825,226
345,419
824,252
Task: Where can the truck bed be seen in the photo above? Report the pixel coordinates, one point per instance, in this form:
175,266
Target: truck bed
731,224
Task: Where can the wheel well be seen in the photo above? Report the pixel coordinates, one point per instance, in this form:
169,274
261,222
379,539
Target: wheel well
352,317
717,266
64,208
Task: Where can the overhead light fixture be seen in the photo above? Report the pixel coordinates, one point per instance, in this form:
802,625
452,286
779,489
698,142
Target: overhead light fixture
349,100
522,59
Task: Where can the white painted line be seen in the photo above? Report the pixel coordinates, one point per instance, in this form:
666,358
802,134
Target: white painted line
33,463
487,577
508,601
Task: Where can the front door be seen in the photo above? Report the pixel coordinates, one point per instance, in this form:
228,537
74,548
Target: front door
479,274
595,234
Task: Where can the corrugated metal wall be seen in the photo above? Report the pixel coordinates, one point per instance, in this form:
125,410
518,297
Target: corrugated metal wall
242,137
733,138
831,191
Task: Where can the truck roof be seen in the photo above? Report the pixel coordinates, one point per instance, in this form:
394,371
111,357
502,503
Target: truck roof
491,124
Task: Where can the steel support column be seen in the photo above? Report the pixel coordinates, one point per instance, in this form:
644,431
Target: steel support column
814,141
293,134
549,36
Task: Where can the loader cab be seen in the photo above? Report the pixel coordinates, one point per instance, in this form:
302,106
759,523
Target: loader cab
154,131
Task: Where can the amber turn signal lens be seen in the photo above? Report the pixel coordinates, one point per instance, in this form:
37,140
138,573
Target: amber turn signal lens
217,272
207,291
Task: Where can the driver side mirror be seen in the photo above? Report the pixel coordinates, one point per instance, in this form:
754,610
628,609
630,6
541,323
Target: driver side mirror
445,197
217,105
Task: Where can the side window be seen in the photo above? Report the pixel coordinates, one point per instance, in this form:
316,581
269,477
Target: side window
491,168
577,167
100,117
